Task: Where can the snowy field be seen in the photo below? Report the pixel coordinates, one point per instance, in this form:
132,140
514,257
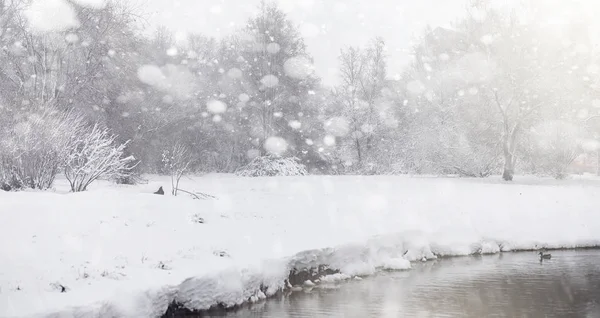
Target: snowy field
122,251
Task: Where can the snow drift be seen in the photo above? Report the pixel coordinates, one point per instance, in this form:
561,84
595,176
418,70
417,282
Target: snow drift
122,251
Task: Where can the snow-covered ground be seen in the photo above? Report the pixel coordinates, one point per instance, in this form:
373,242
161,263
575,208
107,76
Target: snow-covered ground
122,250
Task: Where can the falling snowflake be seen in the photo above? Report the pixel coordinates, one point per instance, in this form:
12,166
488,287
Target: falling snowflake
329,140
298,67
172,51
273,48
150,74
216,106
72,38
270,80
235,73
295,124
487,39
244,97
337,126
252,153
275,145
51,16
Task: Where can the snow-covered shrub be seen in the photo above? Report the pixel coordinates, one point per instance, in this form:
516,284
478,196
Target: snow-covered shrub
176,162
272,165
35,146
7,179
94,155
556,145
474,161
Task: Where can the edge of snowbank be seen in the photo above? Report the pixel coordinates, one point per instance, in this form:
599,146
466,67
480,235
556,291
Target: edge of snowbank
229,289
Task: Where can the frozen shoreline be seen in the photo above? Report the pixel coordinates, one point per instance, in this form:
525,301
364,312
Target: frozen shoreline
124,251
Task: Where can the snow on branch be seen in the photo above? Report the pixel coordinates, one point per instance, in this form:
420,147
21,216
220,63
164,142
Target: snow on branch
34,148
94,155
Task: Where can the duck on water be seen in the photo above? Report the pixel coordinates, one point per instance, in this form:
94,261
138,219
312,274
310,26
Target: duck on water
544,256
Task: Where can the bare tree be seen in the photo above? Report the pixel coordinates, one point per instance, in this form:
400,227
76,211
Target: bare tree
352,65
176,162
360,97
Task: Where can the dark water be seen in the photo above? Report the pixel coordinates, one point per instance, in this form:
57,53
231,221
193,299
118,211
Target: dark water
505,285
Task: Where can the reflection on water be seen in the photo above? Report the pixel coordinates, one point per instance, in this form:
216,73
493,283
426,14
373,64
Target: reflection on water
505,285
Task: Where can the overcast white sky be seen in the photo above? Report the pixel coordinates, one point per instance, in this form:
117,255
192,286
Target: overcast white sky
328,25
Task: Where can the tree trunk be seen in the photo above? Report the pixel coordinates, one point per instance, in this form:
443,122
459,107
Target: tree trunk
357,142
509,147
509,167
598,162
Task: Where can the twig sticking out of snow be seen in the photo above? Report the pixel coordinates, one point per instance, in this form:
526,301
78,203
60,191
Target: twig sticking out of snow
198,195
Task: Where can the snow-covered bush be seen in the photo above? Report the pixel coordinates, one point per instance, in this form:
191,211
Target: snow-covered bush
35,146
94,155
176,162
272,165
475,161
557,145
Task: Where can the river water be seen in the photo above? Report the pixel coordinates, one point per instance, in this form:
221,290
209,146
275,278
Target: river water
501,285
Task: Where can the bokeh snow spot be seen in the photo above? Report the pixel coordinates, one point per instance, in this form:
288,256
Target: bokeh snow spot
150,74
216,106
167,99
329,140
273,48
172,51
367,128
72,38
295,124
298,67
234,73
244,97
51,16
487,39
337,126
270,80
275,145
252,153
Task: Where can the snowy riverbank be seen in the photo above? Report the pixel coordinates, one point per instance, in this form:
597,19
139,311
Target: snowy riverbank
123,250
